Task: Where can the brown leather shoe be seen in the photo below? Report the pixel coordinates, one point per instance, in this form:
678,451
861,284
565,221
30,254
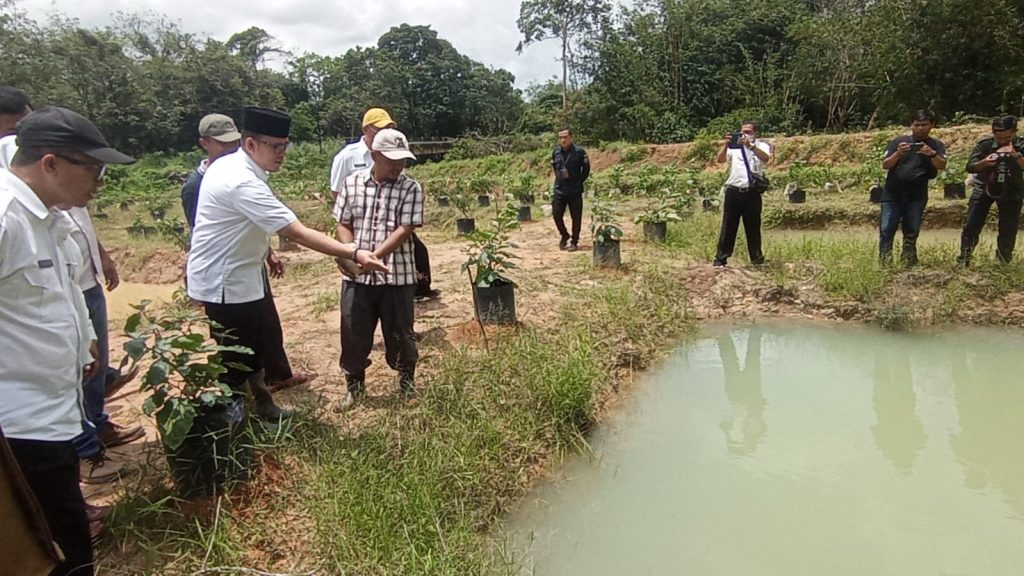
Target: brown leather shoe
99,469
295,380
96,513
114,435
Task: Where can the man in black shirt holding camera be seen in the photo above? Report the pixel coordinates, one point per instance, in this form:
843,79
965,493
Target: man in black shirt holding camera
997,165
911,161
572,167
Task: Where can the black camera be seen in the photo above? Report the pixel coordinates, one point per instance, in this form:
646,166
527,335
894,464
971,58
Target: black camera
734,141
916,146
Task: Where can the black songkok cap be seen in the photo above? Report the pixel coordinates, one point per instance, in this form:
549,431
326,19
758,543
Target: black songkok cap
55,127
266,122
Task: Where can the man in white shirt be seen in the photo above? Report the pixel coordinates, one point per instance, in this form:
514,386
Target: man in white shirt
747,158
43,319
218,136
356,157
14,105
236,215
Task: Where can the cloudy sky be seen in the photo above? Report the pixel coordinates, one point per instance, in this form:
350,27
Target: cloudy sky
484,30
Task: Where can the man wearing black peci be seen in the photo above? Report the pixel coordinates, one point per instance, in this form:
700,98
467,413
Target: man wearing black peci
572,167
996,164
236,214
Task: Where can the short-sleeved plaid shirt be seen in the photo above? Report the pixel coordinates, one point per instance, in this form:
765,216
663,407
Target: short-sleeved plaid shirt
375,210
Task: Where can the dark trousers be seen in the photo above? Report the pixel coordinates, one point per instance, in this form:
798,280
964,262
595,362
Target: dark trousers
51,471
241,325
94,389
740,205
909,214
362,306
977,211
275,360
575,203
422,258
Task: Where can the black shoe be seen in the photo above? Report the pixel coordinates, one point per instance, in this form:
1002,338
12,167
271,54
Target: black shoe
572,247
406,385
356,386
431,295
563,243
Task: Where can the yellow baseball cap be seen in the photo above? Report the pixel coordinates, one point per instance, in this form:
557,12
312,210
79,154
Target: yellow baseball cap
378,117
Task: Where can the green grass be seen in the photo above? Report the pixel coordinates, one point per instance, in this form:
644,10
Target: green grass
417,489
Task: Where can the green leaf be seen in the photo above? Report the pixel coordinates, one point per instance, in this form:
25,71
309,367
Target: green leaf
174,422
135,348
157,373
191,342
132,323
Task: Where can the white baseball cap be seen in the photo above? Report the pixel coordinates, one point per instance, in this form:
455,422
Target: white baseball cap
393,144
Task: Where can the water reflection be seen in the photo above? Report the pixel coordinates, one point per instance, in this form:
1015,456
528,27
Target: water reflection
888,454
989,406
898,432
744,425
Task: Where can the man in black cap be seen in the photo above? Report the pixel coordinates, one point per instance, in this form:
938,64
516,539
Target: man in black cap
235,217
997,167
44,324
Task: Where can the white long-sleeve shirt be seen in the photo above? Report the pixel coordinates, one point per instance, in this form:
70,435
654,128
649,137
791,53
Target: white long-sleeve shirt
44,323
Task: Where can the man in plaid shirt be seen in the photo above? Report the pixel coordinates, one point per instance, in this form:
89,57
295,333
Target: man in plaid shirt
379,209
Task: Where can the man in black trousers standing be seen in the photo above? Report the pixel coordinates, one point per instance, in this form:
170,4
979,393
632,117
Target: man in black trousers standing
747,156
572,167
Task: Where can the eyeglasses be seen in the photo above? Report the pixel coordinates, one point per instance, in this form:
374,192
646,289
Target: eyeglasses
102,167
279,147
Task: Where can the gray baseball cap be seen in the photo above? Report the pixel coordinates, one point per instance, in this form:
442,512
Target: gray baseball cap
219,127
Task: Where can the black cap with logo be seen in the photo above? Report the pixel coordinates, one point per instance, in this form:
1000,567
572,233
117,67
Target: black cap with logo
56,127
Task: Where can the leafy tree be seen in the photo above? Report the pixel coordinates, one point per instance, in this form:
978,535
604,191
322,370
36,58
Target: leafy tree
254,44
571,22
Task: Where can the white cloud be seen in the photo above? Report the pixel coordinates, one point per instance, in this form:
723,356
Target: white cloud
484,30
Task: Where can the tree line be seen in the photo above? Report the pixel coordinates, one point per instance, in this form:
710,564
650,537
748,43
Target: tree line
646,70
146,83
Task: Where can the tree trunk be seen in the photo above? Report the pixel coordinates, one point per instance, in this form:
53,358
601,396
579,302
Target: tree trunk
565,73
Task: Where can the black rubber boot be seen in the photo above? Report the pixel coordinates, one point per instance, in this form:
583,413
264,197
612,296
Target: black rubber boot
407,384
265,406
356,386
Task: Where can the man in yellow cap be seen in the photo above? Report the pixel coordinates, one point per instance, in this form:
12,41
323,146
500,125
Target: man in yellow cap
356,157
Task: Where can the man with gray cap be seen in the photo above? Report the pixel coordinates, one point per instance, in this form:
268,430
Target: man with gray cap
379,209
218,136
236,214
44,324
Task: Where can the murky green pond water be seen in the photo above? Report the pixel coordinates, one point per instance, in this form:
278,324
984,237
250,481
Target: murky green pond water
799,450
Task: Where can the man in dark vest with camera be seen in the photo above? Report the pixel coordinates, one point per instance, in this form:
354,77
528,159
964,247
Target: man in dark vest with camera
996,165
746,182
912,160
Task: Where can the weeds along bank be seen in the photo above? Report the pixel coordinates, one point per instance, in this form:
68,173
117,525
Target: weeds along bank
415,488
